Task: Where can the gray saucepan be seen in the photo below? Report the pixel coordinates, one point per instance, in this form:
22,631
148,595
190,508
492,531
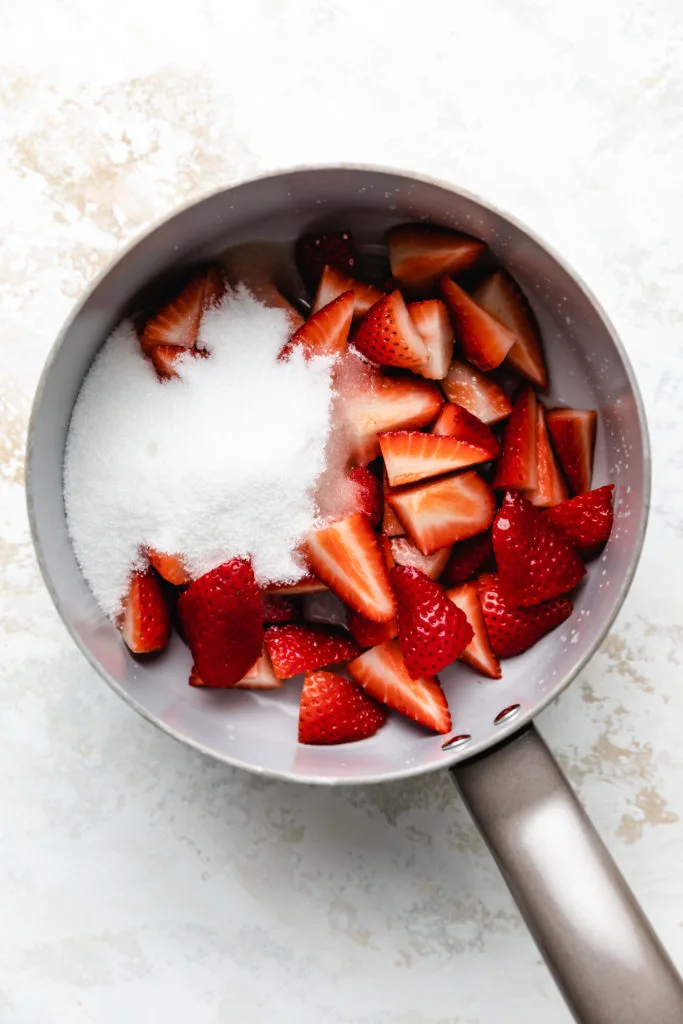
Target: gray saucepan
605,957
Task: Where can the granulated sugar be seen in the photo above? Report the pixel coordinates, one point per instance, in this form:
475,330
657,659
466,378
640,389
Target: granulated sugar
218,463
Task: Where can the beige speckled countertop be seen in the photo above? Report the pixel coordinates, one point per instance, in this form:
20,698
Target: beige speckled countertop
138,881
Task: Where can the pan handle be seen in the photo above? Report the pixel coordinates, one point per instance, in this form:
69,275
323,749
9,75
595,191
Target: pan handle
600,947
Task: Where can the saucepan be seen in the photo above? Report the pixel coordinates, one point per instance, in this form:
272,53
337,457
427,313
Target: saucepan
588,925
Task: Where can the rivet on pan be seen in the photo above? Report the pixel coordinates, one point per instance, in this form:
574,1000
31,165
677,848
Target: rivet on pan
456,741
506,714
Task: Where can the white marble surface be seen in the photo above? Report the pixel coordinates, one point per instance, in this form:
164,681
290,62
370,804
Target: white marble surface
138,881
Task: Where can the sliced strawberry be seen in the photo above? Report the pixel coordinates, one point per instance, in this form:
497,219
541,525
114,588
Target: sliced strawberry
145,620
440,512
513,630
455,421
434,327
467,558
349,559
221,618
326,332
308,584
388,336
334,283
551,487
586,520
391,525
573,433
482,338
421,254
478,652
335,710
382,673
501,296
259,677
385,544
410,455
367,633
165,357
177,323
432,631
535,561
279,608
171,568
517,467
404,552
313,252
473,391
295,647
370,499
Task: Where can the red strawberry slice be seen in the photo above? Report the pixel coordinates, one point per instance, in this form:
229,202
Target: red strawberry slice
334,283
455,421
367,633
308,584
421,254
410,455
221,617
295,647
177,323
478,652
467,558
370,499
145,620
171,568
432,631
586,521
388,336
279,608
573,433
483,339
473,391
335,710
551,487
434,327
501,296
385,544
535,561
440,512
382,673
313,252
391,526
165,357
404,552
517,467
259,677
326,332
514,630
348,558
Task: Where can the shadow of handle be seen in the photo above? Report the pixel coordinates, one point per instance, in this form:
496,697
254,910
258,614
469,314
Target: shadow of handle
595,938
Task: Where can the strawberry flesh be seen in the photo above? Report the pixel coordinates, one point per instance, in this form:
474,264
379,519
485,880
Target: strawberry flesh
404,552
388,336
437,513
313,252
410,455
483,339
478,653
171,568
334,283
517,466
434,327
586,520
279,608
335,710
551,487
145,620
454,421
297,647
177,323
573,433
467,558
326,332
369,495
501,296
465,386
513,630
421,254
367,633
432,631
259,677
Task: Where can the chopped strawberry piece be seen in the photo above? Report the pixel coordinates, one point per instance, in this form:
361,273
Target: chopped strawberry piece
145,621
347,557
551,487
334,283
421,254
367,633
385,544
326,332
295,647
314,252
573,433
259,677
432,631
586,520
501,296
335,710
382,673
308,584
410,455
440,512
171,568
467,558
478,652
517,467
535,560
279,608
465,386
388,336
165,357
513,630
404,552
434,327
391,526
370,498
177,323
483,339
455,421
221,618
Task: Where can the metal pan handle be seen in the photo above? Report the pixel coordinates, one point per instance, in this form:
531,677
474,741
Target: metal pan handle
600,947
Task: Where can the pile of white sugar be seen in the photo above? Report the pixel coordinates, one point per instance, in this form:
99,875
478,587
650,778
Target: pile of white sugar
220,462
